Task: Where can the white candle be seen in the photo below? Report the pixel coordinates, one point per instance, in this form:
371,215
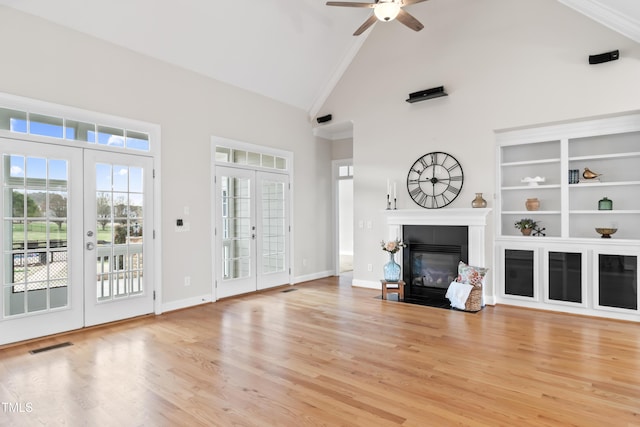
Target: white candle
388,188
395,193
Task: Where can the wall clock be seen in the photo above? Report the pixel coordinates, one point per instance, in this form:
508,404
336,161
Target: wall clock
435,180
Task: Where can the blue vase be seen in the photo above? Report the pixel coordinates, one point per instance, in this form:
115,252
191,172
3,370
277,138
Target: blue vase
391,270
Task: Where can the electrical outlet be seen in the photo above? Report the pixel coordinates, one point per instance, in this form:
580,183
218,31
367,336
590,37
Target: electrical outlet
187,280
369,267
304,262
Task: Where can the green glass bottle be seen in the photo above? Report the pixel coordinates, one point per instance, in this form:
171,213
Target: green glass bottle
605,204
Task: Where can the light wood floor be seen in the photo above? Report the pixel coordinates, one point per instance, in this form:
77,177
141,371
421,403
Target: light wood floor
329,354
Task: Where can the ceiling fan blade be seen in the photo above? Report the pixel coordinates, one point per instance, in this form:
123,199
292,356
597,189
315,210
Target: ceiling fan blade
369,22
350,4
408,20
408,2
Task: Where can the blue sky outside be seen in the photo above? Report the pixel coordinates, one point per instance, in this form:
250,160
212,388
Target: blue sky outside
53,127
36,168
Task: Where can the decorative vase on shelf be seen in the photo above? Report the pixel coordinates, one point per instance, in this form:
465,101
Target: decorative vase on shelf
391,270
532,204
605,204
479,202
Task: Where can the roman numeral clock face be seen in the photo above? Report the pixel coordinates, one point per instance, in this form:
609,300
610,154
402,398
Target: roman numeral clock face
435,180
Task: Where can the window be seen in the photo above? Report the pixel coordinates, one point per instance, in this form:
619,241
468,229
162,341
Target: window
250,158
73,130
345,171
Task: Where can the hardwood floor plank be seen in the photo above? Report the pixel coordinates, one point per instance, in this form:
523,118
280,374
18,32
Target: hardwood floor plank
330,355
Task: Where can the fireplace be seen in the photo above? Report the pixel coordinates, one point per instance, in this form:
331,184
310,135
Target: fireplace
433,266
442,238
430,261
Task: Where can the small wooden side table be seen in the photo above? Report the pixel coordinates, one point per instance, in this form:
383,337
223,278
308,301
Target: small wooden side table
395,287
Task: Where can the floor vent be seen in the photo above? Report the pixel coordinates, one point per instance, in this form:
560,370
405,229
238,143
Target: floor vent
290,290
51,347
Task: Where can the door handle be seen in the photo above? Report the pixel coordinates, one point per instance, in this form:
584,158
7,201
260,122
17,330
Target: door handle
90,246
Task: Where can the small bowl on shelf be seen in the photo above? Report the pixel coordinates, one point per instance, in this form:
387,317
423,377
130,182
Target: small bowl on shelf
606,232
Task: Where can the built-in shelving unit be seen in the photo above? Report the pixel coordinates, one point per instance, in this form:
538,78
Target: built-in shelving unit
569,267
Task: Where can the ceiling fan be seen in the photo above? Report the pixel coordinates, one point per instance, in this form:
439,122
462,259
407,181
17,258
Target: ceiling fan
384,10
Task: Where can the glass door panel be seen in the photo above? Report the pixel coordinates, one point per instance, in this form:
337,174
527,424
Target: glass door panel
273,217
618,281
565,276
519,272
235,232
237,228
42,259
119,187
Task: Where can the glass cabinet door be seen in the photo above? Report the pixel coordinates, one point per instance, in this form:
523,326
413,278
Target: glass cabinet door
566,276
617,284
519,272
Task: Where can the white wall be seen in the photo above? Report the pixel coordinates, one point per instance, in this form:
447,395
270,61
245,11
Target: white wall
504,63
342,149
47,62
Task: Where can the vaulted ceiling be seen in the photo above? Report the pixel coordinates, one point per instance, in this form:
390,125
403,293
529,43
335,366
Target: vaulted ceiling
293,51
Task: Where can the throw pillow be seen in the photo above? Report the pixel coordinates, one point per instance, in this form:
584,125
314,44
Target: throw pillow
470,274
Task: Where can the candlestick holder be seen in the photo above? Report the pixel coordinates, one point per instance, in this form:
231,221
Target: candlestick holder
395,204
388,203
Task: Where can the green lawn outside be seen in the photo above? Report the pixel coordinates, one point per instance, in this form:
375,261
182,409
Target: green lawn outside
37,231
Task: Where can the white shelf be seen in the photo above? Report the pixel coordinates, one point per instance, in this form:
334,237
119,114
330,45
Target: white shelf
605,156
531,187
604,212
603,184
531,162
531,213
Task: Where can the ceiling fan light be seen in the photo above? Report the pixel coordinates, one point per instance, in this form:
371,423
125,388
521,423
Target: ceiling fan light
387,11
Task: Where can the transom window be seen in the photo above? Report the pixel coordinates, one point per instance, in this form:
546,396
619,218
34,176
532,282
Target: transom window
345,171
250,158
69,129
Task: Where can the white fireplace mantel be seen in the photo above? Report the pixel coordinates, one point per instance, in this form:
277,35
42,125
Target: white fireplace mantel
474,218
458,216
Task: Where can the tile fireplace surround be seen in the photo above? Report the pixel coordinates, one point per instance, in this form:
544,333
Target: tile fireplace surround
474,218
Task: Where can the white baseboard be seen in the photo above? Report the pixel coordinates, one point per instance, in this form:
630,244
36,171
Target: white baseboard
203,299
366,284
313,276
186,303
489,300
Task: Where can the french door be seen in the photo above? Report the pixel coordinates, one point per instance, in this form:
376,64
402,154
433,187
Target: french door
252,230
42,240
118,236
72,238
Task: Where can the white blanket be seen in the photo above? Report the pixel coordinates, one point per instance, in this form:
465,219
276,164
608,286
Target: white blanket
458,294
